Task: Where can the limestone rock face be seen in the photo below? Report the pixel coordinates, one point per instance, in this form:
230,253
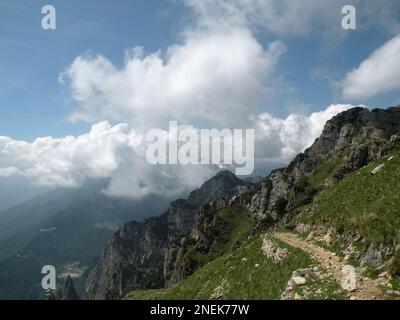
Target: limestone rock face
184,215
372,130
133,259
260,201
143,255
372,257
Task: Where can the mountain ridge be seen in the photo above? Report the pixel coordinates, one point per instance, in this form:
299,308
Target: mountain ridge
130,266
350,141
64,228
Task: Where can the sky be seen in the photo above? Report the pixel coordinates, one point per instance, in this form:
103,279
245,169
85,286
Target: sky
75,102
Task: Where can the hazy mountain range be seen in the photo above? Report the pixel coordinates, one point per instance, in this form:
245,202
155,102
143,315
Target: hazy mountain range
66,228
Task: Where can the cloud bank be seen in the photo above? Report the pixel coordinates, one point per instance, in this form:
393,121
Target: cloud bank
115,152
118,152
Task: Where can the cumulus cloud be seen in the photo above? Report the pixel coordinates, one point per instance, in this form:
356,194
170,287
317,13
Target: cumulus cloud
283,138
118,153
204,79
375,75
115,152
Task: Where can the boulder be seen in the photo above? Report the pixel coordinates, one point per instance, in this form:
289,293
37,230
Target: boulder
349,280
299,281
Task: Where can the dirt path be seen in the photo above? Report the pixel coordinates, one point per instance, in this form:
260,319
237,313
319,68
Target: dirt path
367,289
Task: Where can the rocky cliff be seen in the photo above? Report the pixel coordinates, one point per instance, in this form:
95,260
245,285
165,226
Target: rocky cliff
352,138
143,255
132,259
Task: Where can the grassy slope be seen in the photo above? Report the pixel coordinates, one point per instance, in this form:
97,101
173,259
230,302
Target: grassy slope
364,202
243,279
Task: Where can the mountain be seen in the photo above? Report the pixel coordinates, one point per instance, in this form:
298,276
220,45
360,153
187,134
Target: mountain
10,191
66,228
297,235
142,255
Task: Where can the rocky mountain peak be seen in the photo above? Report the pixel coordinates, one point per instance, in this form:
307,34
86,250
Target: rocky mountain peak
222,185
355,126
351,139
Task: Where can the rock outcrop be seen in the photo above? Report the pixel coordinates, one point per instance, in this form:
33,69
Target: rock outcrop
357,135
133,259
272,251
68,291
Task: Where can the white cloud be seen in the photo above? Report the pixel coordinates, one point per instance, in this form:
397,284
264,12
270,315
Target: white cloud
284,138
375,75
115,152
204,79
118,152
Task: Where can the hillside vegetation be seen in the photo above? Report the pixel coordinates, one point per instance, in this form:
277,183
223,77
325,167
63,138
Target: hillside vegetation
245,274
361,202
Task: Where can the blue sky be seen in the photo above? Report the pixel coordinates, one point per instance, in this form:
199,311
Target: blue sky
33,103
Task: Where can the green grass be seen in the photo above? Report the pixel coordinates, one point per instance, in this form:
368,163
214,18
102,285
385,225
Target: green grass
310,185
369,204
324,170
228,229
242,278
